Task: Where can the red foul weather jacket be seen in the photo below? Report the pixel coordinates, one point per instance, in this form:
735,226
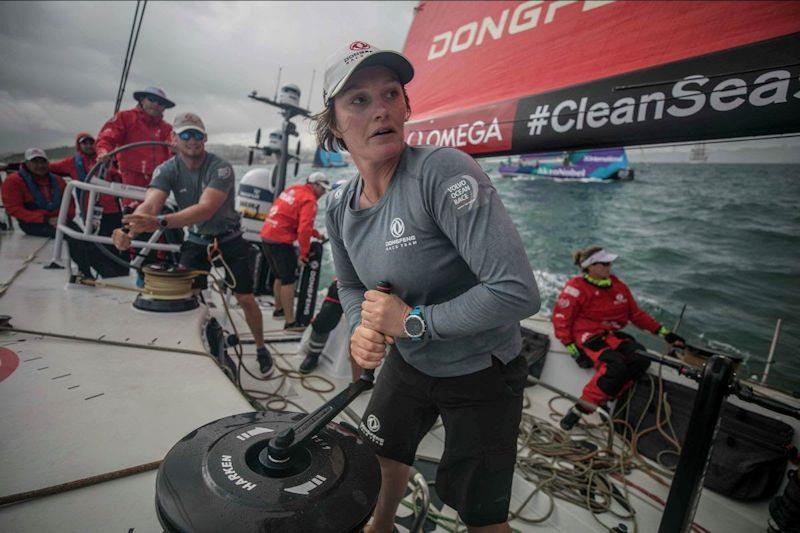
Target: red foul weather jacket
134,125
70,166
584,310
292,218
20,203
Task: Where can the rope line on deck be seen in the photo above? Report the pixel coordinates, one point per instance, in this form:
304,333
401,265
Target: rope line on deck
78,483
5,285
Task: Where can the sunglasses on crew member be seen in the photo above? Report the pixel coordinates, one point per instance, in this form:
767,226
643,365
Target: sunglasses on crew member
155,100
602,264
197,135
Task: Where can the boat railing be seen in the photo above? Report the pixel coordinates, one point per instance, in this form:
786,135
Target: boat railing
85,223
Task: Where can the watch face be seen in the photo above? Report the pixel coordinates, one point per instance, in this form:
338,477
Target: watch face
414,326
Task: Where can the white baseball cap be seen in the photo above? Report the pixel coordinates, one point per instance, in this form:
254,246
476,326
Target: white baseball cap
341,66
320,179
600,256
187,121
33,153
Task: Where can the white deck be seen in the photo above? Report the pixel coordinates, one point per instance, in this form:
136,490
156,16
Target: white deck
73,410
76,409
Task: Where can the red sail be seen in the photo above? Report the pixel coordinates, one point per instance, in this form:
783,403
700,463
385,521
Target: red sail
514,77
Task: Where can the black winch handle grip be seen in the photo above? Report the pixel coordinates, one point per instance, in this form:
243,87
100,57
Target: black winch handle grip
368,374
746,393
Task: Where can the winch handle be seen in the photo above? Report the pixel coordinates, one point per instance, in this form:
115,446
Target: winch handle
368,374
746,393
684,370
742,391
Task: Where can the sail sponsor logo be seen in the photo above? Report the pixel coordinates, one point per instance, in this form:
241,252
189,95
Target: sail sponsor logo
526,16
602,158
561,172
687,97
468,133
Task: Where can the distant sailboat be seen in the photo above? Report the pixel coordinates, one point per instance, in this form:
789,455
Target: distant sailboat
609,164
325,159
699,154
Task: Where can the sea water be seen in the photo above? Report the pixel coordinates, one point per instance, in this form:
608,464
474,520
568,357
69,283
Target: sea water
722,240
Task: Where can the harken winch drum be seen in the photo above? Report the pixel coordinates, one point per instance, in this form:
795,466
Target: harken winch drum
217,479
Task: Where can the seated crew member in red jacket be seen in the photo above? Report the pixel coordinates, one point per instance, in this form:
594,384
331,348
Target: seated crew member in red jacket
33,196
290,219
77,167
587,318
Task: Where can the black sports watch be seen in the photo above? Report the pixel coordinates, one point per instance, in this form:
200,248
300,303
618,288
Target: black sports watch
162,221
414,324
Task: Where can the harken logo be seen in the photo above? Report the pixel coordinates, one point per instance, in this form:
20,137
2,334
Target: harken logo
359,45
397,228
373,424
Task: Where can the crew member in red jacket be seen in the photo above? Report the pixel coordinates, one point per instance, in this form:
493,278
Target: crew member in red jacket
144,122
290,219
33,196
77,167
587,318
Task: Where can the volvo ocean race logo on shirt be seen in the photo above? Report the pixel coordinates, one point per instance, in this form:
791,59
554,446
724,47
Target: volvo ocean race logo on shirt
462,191
397,228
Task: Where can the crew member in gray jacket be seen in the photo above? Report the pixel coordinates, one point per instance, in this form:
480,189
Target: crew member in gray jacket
428,221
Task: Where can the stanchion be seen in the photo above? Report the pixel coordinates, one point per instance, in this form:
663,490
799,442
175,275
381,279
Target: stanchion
687,483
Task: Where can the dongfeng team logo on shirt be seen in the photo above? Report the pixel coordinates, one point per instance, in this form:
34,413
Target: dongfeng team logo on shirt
397,229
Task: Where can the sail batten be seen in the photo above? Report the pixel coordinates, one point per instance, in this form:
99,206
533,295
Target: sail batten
514,77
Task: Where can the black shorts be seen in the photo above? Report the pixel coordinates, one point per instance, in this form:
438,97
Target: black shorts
235,252
282,259
481,414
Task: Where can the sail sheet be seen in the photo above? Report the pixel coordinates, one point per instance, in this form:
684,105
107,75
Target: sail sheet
513,77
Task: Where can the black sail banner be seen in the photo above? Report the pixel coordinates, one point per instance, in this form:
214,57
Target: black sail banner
735,93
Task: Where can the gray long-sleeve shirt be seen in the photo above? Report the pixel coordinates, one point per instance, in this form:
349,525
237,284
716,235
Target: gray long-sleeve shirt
442,237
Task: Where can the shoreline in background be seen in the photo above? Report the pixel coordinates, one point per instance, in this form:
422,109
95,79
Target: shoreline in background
717,154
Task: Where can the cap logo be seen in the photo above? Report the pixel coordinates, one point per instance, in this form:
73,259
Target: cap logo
359,45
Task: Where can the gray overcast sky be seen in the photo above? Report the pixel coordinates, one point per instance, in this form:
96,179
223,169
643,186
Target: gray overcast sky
61,61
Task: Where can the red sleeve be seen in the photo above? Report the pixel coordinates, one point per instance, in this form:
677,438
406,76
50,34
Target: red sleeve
111,134
640,318
565,311
14,201
63,167
167,133
305,224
